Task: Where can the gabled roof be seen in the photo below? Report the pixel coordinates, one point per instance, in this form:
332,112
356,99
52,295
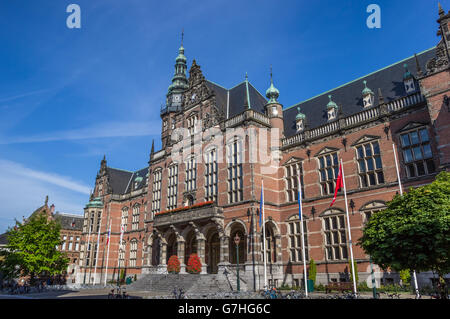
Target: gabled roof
231,101
349,96
69,221
123,182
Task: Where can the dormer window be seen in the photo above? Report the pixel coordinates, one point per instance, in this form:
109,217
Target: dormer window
368,96
331,109
408,80
300,121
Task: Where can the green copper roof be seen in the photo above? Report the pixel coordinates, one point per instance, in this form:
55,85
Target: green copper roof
272,92
95,202
366,90
300,115
407,74
331,104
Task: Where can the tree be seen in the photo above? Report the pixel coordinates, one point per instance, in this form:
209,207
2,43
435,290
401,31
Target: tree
405,276
414,231
32,249
312,270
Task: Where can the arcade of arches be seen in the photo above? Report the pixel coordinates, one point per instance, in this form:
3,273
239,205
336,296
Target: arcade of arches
214,245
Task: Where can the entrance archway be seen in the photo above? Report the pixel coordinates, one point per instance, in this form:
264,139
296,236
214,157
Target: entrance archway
171,246
238,229
190,246
213,252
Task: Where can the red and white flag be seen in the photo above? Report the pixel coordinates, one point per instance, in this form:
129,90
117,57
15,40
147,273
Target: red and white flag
339,184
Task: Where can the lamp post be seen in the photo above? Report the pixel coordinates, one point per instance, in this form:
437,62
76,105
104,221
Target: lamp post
237,239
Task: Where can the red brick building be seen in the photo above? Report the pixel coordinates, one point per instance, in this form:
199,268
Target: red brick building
220,145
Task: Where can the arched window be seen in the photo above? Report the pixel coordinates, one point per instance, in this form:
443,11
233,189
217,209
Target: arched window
122,254
124,220
156,191
334,229
295,239
172,187
133,252
135,221
371,208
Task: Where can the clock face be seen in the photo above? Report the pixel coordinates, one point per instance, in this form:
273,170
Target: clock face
177,98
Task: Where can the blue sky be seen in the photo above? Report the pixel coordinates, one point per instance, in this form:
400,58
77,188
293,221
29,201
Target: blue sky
69,96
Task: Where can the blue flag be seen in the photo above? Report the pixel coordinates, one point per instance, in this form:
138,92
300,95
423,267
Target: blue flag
299,199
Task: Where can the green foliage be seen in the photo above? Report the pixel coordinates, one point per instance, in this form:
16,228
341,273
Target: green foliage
32,249
319,287
405,276
312,271
350,270
122,275
414,231
363,287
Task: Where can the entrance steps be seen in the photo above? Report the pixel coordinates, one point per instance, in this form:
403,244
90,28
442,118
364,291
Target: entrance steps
190,283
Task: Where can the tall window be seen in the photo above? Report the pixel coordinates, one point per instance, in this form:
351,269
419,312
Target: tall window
77,244
172,187
235,179
211,176
328,170
291,177
191,123
335,237
191,174
133,252
295,239
156,191
63,245
70,243
99,218
122,254
124,220
417,153
135,221
91,226
369,164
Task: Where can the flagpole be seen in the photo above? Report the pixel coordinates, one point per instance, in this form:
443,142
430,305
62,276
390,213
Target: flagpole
97,250
349,231
401,194
264,238
107,254
87,249
302,231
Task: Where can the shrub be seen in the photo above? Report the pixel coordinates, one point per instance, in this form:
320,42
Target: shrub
364,287
350,271
320,287
194,265
173,265
405,276
312,271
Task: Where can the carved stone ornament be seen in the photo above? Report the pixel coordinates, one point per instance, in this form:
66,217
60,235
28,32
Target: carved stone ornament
440,61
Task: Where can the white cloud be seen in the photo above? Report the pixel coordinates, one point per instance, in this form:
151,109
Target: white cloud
102,130
22,190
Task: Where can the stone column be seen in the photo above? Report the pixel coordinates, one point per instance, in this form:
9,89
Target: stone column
224,254
162,267
201,242
180,253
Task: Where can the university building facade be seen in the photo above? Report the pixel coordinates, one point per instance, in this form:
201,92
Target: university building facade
219,146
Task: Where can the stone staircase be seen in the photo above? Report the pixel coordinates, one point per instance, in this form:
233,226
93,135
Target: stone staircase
191,284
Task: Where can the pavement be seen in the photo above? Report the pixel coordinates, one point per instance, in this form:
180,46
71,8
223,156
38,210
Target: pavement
103,294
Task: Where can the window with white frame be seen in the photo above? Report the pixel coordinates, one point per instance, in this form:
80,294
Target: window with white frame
335,236
133,252
191,123
91,226
70,243
124,219
63,245
295,239
211,175
370,209
122,254
191,174
417,153
291,177
172,187
156,191
370,168
328,171
135,220
99,218
235,174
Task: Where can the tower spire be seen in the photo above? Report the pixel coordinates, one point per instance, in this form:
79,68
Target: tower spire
272,92
441,11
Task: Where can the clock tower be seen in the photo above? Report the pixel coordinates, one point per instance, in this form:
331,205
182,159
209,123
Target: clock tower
174,96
